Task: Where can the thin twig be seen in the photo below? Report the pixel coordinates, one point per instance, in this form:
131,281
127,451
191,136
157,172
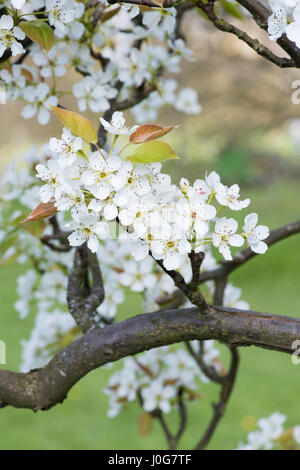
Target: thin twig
219,408
193,293
258,47
245,255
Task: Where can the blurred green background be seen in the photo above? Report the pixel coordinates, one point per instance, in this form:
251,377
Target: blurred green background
249,131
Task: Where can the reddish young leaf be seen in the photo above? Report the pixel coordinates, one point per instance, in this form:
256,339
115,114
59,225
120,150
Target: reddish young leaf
148,132
42,211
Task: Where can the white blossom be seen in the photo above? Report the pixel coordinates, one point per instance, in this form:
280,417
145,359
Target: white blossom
225,236
117,125
66,147
255,233
10,35
88,230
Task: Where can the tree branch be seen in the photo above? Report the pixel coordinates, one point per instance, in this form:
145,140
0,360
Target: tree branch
261,14
260,49
191,291
145,3
245,255
207,370
83,301
219,408
45,387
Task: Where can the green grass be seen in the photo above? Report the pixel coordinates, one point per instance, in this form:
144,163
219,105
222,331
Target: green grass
267,381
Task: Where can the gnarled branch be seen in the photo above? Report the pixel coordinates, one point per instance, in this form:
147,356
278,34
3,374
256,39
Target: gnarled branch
45,387
83,300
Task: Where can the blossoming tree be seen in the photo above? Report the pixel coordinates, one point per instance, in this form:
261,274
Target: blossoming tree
93,214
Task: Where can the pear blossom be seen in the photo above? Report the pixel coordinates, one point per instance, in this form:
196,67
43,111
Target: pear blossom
40,100
134,70
114,295
296,434
48,330
10,35
67,147
199,188
103,176
255,233
268,431
187,101
74,200
156,396
61,12
138,276
136,214
87,230
51,174
277,22
92,93
117,125
14,80
132,10
272,425
50,62
292,29
179,47
195,214
230,197
225,236
213,181
26,283
52,288
17,3
170,250
232,296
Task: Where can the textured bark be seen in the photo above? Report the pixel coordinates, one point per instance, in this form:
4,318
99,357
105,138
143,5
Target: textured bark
45,387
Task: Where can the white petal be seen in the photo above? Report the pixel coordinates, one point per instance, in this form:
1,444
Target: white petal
236,240
76,238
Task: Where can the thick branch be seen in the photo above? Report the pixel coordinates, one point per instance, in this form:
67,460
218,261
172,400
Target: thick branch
45,387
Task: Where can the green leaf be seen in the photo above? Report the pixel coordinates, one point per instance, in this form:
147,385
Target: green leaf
78,125
154,151
39,32
232,8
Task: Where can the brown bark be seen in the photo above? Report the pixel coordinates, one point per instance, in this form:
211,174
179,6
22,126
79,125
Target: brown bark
45,387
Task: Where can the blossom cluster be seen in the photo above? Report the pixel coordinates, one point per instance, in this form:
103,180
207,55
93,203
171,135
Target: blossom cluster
270,435
285,19
113,57
158,217
157,378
